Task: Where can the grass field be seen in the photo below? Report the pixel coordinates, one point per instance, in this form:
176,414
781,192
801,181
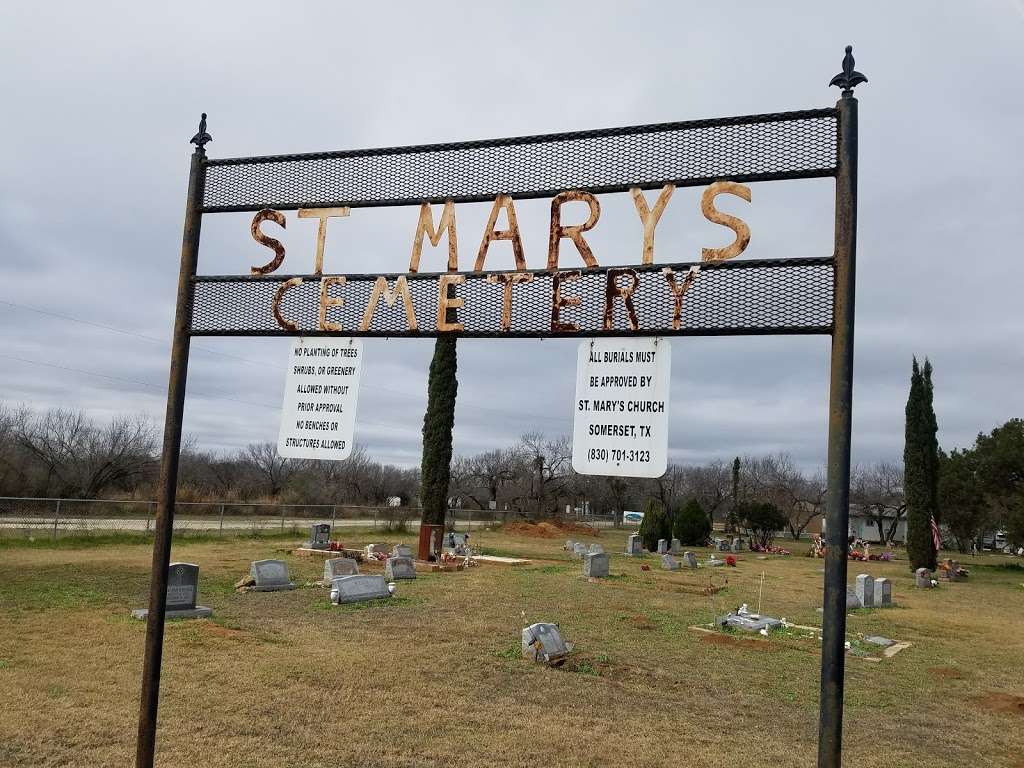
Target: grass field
434,677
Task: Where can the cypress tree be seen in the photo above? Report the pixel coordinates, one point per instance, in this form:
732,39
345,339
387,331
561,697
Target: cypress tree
732,519
438,422
921,468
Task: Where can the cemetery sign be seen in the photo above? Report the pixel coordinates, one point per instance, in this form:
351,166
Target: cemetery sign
714,294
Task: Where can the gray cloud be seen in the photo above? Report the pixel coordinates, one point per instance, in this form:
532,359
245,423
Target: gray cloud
101,104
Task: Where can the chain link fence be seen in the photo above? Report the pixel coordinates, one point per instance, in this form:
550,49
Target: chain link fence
55,518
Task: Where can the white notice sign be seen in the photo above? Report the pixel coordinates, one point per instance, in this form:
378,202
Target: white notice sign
318,417
622,392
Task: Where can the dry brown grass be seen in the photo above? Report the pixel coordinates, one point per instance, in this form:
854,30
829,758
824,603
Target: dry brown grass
433,678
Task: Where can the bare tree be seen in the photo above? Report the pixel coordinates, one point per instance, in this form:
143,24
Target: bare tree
275,471
878,488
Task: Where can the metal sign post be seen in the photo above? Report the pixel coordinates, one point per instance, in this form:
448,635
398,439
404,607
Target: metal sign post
713,296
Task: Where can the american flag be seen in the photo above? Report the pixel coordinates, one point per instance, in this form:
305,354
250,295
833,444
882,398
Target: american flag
936,538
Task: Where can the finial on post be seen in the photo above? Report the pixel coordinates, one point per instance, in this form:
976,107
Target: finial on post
202,137
849,78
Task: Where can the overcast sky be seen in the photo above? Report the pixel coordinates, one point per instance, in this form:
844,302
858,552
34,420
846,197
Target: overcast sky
101,99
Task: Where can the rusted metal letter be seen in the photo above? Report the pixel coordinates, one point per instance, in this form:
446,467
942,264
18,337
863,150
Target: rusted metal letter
327,301
650,218
321,234
446,302
425,226
508,279
512,233
679,291
381,290
558,301
268,214
613,291
573,231
707,207
288,325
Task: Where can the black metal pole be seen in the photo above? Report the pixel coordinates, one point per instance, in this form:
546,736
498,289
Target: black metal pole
833,651
164,525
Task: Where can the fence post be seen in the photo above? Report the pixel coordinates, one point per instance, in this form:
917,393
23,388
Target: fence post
56,517
221,519
375,519
282,518
334,514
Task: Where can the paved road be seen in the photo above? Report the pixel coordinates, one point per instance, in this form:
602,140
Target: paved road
198,523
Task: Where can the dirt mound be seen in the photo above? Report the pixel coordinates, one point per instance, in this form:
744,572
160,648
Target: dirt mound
1001,702
550,529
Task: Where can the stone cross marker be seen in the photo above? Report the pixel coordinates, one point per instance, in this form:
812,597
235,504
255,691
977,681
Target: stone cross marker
339,566
595,565
399,568
883,593
182,593
866,590
270,575
320,536
355,589
634,547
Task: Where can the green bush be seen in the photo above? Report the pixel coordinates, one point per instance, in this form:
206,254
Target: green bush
691,525
655,525
762,519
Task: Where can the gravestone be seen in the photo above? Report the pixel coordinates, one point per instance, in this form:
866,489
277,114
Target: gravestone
319,536
399,568
400,550
339,566
579,549
690,560
853,599
596,549
544,643
714,561
570,545
923,578
634,546
456,543
737,544
724,546
662,547
270,576
357,588
595,565
883,592
669,563
865,588
674,547
372,550
748,621
182,593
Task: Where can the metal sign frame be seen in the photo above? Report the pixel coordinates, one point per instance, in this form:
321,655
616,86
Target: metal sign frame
790,296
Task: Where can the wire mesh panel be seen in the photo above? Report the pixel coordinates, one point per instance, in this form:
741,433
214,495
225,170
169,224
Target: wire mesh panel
734,297
785,145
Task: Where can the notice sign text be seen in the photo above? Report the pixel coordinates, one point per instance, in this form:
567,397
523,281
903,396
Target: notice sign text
321,391
621,408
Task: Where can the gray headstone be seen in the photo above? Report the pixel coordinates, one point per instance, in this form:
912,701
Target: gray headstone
634,546
320,536
674,547
736,545
270,575
182,593
852,600
455,542
885,642
376,549
401,550
355,589
662,546
690,560
748,622
865,589
669,563
579,549
923,578
595,565
339,566
399,568
883,592
570,545
724,546
544,643
596,549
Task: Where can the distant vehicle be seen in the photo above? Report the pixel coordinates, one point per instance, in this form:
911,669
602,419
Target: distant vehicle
632,517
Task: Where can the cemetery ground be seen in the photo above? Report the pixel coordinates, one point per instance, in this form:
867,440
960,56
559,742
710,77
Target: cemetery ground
434,676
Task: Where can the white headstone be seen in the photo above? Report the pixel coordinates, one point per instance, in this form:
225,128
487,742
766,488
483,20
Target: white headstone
634,546
883,592
579,549
865,589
